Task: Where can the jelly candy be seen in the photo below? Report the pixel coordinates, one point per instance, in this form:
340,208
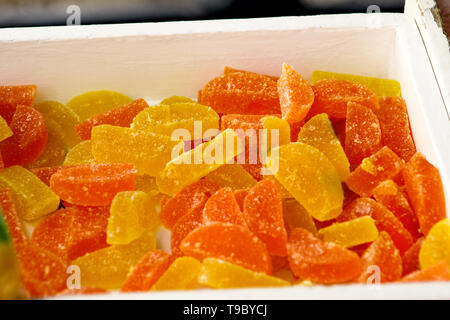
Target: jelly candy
240,195
438,272
13,96
381,87
339,129
229,242
424,187
231,175
331,96
279,262
382,165
200,161
121,116
92,103
383,254
149,152
275,123
223,207
296,95
411,257
389,194
318,132
181,274
362,133
295,216
147,184
395,129
53,154
221,275
10,214
80,154
310,177
11,287
5,130
384,220
34,198
132,214
350,233
240,92
284,194
175,99
227,70
263,212
148,270
436,247
321,262
93,184
28,140
45,173
108,268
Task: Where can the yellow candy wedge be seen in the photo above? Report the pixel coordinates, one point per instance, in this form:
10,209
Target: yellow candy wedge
176,99
233,176
295,216
181,275
5,130
436,247
80,154
275,123
146,183
54,152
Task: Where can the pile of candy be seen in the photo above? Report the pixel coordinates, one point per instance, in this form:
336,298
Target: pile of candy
340,194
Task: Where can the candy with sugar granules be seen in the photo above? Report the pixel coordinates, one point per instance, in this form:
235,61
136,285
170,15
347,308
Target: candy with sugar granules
223,207
436,247
13,96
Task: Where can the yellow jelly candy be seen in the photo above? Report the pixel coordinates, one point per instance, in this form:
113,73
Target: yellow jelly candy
284,194
107,268
80,154
131,214
146,183
5,130
310,177
180,275
318,132
91,103
436,247
53,154
9,275
176,99
295,216
221,274
34,198
282,126
351,233
233,176
148,151
166,118
198,162
381,87
62,119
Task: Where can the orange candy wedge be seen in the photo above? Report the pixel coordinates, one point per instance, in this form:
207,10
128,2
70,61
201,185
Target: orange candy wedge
411,257
13,96
438,272
223,207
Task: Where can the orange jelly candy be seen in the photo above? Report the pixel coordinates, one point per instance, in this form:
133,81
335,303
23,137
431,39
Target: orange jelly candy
93,184
229,242
223,207
11,218
263,211
438,272
13,96
227,70
424,187
362,133
411,257
240,195
45,173
321,262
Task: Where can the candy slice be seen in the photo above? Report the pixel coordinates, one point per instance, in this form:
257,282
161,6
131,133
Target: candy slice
232,243
281,126
240,195
221,275
231,175
180,275
176,99
5,130
10,214
411,257
54,152
296,95
93,184
149,152
148,270
424,187
382,165
310,177
80,154
436,247
121,116
227,70
222,207
92,103
350,233
295,216
321,262
438,272
263,212
45,173
13,96
318,132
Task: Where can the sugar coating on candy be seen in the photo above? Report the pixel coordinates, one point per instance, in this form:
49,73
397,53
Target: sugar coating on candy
438,272
263,212
45,173
221,274
229,242
382,165
108,268
121,116
318,132
362,133
321,262
28,140
331,96
80,154
310,177
385,220
233,176
227,70
34,198
91,103
284,194
13,96
93,184
411,257
132,214
425,191
148,270
223,207
383,254
5,130
240,92
296,95
181,275
351,233
54,152
392,197
148,151
296,216
436,247
11,216
176,99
